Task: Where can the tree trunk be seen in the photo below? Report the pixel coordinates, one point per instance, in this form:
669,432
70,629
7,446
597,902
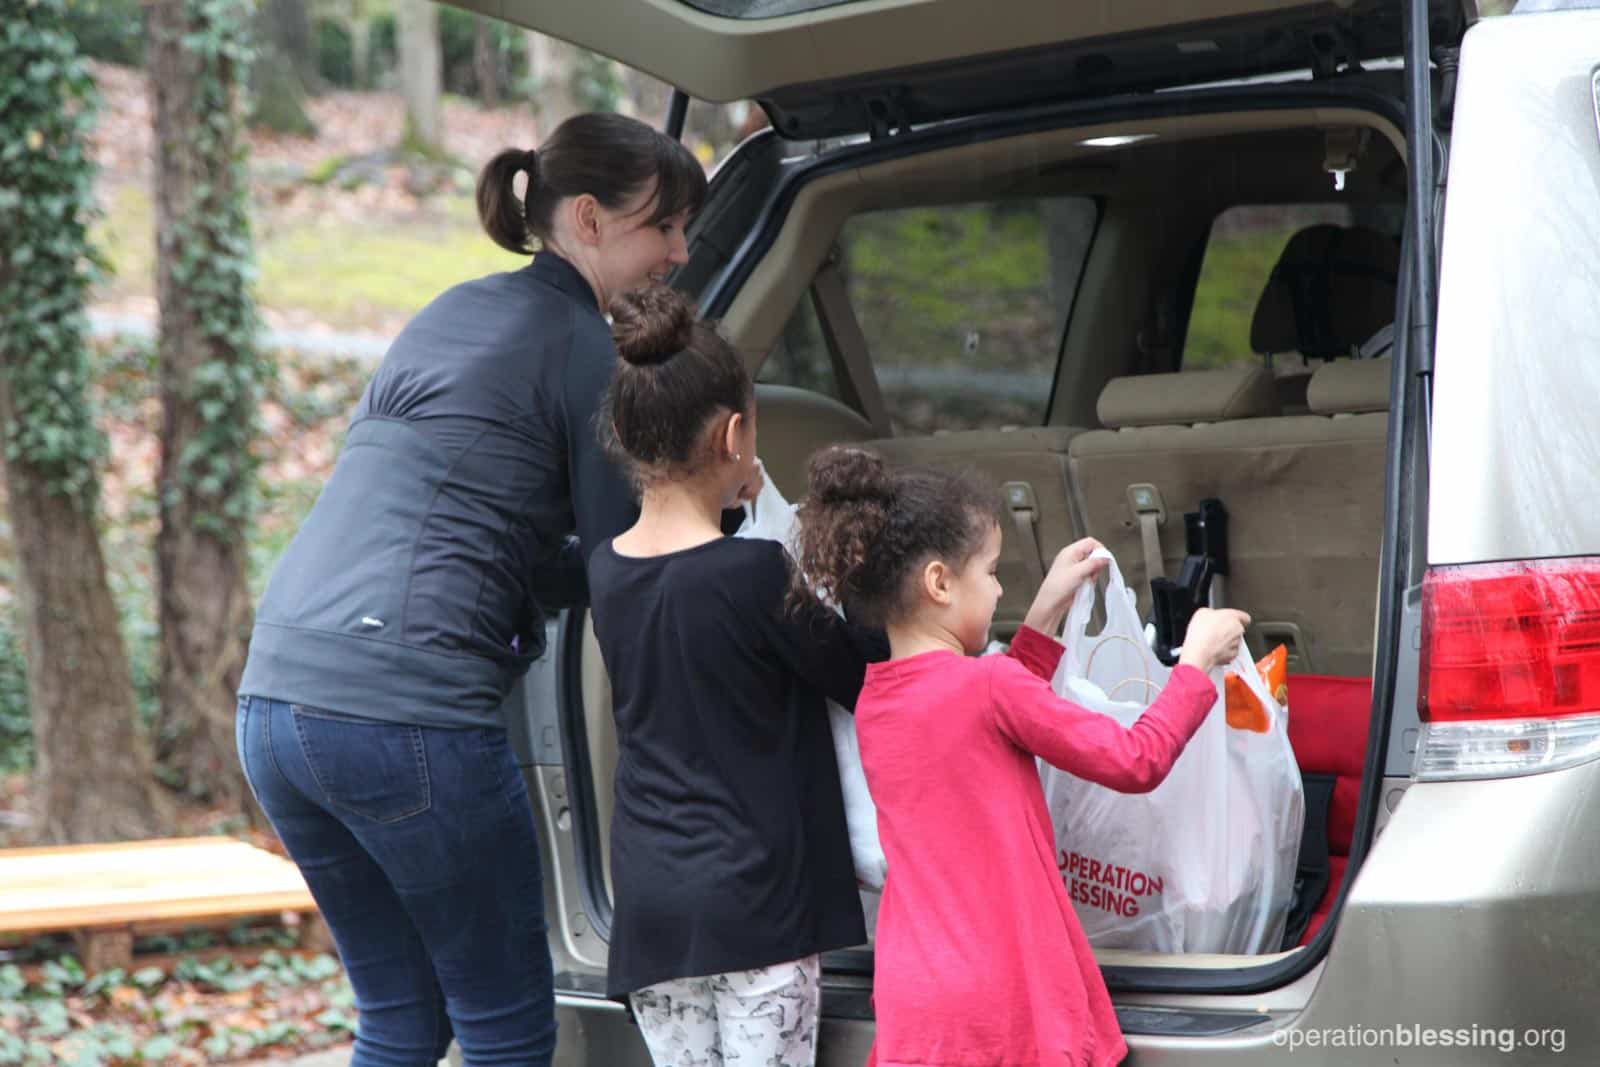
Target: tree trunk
420,61
486,63
93,777
286,24
208,377
360,27
646,97
551,68
284,69
92,771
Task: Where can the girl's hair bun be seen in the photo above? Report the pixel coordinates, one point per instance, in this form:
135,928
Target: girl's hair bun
843,475
651,325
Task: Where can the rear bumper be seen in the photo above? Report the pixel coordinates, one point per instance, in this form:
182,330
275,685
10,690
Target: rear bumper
1471,936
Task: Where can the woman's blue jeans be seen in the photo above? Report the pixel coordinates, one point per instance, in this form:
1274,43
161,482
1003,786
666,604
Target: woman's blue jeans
418,844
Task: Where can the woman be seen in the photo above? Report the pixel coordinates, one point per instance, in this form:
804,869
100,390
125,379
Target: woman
416,592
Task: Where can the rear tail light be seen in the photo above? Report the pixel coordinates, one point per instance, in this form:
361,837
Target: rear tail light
1510,668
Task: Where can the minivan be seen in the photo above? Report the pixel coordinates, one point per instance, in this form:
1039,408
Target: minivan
1335,264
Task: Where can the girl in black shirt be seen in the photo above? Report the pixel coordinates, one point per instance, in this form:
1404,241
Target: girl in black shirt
730,860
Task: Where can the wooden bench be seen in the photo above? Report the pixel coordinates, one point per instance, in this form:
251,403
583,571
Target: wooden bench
106,894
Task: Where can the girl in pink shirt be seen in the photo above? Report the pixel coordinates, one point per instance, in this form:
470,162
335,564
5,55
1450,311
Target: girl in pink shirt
980,959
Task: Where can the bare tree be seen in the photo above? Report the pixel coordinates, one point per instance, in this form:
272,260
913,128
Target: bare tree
92,777
417,22
551,66
359,23
486,62
286,68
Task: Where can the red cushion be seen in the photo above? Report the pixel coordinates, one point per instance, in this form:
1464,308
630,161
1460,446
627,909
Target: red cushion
1342,813
1328,720
1336,868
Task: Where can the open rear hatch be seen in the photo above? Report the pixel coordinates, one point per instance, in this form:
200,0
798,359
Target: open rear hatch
824,68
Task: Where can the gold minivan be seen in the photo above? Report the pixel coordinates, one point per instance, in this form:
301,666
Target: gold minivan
1335,264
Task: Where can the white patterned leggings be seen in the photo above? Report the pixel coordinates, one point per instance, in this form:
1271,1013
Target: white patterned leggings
761,1018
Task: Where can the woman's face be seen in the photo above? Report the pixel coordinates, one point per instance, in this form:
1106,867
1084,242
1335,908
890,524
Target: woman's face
632,251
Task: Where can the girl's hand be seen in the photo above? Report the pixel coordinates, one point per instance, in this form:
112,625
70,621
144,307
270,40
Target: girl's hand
1072,567
1213,638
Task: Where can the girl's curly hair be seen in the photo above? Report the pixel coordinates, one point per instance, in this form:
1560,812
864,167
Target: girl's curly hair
867,528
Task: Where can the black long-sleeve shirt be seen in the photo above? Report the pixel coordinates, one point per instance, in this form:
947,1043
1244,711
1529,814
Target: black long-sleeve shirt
728,843
416,589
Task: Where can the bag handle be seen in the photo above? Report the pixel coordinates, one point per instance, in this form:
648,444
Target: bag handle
1076,626
1074,633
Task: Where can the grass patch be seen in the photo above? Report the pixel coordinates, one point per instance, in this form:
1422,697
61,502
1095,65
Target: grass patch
125,233
351,274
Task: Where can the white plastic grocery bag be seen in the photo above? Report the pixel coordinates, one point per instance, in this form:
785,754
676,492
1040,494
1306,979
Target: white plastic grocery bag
1206,861
772,517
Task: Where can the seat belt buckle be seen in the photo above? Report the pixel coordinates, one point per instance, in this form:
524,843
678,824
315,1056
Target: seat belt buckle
1145,499
1019,499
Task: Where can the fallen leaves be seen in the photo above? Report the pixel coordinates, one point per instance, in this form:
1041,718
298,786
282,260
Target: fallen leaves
200,1011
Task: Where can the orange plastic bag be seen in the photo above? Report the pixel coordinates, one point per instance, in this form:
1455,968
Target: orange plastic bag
1243,709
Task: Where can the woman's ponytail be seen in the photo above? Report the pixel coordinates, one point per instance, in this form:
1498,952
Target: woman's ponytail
501,211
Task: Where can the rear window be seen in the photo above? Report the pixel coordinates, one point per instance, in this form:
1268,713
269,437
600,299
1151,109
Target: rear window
1244,246
963,308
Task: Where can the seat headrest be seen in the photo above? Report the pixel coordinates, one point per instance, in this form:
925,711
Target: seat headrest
1333,287
1350,386
1189,396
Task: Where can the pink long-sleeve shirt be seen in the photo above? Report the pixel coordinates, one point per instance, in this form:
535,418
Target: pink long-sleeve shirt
980,958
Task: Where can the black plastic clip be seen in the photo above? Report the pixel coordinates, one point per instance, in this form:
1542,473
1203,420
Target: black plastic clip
1173,602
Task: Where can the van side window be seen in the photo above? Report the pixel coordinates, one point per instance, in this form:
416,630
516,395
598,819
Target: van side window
800,356
1243,247
962,307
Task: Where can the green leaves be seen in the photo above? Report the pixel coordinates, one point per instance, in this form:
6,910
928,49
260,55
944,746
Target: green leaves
46,98
213,269
65,973
158,1048
335,1019
149,978
11,983
50,1018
